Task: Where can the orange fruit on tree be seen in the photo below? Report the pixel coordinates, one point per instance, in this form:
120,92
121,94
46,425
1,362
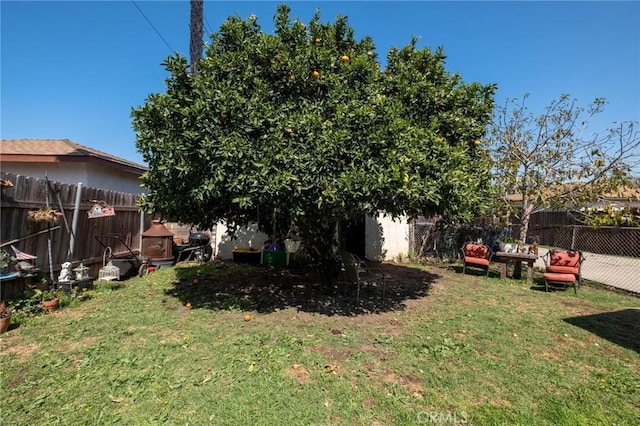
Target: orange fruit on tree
288,130
476,142
370,54
317,40
377,66
315,74
344,59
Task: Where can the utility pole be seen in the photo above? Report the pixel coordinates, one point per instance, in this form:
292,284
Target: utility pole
197,32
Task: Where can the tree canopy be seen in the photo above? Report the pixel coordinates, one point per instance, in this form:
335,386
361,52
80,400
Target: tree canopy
304,124
549,160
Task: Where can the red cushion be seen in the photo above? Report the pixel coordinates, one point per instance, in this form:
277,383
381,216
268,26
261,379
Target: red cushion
563,269
476,261
476,250
555,277
568,258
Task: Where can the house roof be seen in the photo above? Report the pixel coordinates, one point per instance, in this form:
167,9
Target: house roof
61,150
623,193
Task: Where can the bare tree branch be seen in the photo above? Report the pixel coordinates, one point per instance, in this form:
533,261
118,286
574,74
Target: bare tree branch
547,161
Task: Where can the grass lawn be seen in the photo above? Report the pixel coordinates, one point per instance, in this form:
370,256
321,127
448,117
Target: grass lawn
443,348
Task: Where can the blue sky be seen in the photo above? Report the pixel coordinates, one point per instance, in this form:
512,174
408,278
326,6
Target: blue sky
75,69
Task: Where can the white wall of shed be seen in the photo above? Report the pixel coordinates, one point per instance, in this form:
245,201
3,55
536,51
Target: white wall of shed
245,237
386,238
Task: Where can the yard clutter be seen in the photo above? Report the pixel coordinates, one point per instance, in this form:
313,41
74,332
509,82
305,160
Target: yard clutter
157,244
246,255
17,273
5,317
71,280
198,249
273,253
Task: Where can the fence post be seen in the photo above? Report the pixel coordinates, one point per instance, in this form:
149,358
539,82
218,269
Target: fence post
141,231
74,221
573,237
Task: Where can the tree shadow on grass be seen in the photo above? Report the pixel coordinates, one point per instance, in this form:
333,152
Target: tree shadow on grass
225,286
619,327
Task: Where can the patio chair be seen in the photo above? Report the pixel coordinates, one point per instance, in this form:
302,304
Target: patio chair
563,267
357,272
477,256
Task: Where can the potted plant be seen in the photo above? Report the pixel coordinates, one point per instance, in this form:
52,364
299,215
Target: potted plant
508,244
7,261
50,299
5,317
43,214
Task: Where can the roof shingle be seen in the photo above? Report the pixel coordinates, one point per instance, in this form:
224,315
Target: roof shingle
59,148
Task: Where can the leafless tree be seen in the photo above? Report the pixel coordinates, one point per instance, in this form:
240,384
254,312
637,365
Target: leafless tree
548,160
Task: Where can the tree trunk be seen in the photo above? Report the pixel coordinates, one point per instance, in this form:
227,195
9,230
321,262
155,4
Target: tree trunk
527,210
320,238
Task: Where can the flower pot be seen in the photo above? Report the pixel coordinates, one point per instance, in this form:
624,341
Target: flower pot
292,246
506,247
50,305
4,324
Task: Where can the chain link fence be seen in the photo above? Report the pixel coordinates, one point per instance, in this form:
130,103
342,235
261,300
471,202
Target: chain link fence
428,240
612,254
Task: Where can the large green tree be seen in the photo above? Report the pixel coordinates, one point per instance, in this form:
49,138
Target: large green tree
302,124
551,160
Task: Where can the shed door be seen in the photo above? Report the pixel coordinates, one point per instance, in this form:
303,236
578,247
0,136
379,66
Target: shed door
352,236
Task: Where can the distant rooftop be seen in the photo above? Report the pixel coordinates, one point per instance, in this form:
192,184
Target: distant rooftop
60,150
622,193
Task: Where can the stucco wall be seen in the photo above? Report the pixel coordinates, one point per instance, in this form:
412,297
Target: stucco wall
58,172
73,173
386,237
116,180
245,237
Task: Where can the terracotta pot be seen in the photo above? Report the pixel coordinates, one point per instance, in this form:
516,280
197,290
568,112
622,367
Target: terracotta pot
50,305
4,324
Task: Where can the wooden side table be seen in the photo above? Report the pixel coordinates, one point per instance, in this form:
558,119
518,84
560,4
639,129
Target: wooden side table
517,258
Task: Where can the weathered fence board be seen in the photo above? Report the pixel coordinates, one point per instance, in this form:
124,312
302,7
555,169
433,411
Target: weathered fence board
31,194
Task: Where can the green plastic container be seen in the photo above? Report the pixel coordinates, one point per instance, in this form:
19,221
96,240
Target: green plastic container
274,257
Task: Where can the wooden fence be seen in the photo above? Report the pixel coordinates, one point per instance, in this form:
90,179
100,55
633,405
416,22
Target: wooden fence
29,194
